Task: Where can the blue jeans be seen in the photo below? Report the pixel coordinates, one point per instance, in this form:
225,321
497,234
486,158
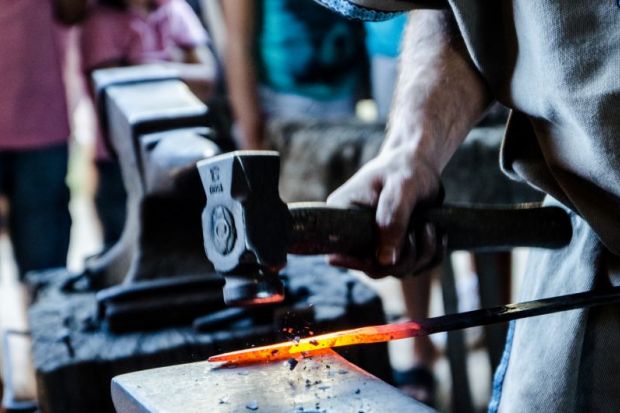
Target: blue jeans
39,222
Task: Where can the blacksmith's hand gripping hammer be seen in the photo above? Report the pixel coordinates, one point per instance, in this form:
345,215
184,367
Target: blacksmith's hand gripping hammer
248,230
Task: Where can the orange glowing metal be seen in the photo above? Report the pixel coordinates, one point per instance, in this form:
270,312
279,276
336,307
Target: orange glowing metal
317,344
376,334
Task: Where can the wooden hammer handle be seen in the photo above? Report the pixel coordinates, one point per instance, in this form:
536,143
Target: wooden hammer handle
320,229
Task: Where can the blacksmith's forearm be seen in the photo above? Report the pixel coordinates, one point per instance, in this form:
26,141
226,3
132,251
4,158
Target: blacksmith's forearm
439,96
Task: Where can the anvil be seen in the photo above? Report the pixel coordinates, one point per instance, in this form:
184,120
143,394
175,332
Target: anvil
326,383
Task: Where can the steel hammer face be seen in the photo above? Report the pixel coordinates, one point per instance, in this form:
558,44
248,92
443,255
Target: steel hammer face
246,226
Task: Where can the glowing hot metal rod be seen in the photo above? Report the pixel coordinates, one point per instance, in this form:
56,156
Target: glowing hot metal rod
374,334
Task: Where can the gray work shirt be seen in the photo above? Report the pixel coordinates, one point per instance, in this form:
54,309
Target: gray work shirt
557,63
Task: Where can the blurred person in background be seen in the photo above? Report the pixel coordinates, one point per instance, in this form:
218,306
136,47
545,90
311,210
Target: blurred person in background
289,59
34,129
134,32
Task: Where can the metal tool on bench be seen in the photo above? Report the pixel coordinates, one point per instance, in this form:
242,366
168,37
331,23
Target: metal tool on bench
158,130
248,230
156,274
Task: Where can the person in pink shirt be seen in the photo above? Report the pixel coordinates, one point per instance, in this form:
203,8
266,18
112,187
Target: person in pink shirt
134,32
34,129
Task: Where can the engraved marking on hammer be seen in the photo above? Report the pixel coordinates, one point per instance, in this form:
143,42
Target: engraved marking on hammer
216,186
223,230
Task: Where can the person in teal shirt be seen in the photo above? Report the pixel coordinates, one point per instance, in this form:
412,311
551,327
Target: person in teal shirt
289,59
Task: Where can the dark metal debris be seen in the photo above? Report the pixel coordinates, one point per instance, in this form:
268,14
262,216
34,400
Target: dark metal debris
292,363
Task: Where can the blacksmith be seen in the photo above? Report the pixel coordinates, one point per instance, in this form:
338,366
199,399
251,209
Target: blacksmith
556,63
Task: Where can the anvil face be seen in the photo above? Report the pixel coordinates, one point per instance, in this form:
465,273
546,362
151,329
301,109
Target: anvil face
327,383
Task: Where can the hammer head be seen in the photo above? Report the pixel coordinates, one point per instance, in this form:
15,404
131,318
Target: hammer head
246,226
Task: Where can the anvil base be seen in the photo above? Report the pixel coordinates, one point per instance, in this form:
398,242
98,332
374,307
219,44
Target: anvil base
75,360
